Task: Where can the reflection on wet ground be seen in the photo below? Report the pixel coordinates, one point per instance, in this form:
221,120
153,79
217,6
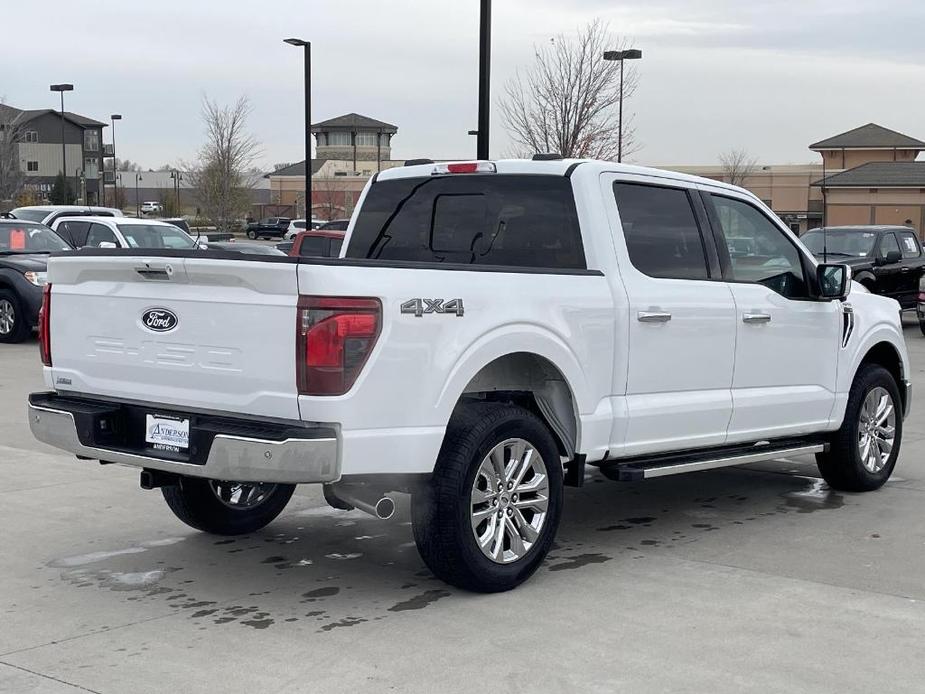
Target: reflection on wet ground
328,569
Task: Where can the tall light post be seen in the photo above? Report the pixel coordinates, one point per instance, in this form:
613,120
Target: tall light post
115,189
630,54
61,88
177,176
307,77
481,145
137,199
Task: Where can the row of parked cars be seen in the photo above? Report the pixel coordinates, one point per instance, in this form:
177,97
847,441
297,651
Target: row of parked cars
28,235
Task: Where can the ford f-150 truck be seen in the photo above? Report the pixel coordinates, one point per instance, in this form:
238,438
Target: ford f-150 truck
490,329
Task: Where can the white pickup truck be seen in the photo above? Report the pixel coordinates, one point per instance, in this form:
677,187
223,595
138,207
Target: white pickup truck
491,329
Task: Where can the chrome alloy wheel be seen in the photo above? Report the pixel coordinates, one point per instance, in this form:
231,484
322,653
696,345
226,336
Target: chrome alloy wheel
7,317
876,429
509,501
241,496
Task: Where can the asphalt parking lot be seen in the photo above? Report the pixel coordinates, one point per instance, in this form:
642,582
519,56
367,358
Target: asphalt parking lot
741,580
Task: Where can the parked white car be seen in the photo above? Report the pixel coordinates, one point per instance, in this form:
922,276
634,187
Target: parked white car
297,225
492,328
123,232
46,214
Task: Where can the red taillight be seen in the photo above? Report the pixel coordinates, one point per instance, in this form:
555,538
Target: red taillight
334,338
45,326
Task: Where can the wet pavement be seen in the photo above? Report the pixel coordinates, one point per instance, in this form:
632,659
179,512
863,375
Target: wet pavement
746,579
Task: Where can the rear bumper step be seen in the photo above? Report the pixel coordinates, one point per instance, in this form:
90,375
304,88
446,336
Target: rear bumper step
225,450
662,466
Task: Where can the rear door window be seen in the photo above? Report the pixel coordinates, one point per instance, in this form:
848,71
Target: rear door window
910,244
661,231
491,219
313,246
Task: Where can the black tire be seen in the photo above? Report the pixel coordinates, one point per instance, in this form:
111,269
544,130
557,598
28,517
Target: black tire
252,235
922,326
194,503
21,328
841,465
441,509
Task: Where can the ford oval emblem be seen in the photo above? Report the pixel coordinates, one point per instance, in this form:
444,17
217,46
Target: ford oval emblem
160,320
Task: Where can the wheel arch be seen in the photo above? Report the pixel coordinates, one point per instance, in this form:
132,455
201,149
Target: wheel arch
884,353
528,366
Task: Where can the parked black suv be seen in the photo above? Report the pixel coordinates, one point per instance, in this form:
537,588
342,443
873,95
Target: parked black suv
887,260
24,249
268,228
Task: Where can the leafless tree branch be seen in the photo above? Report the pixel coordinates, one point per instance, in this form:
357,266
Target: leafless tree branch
567,100
737,165
12,130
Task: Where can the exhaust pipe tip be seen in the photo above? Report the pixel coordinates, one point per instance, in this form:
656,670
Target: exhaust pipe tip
385,508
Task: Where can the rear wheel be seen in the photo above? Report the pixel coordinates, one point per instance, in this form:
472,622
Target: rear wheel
14,327
489,515
863,451
226,508
252,235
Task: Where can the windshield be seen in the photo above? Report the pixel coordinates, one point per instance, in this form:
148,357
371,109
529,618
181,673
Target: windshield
26,237
32,215
856,244
155,236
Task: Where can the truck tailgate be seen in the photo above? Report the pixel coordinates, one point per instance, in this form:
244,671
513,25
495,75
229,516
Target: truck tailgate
205,333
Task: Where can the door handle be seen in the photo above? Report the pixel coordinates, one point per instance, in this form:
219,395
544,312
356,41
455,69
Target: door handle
756,318
653,317
905,269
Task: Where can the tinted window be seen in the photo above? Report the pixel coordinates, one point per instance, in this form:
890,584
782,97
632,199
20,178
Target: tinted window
98,234
500,220
74,232
888,243
909,244
845,243
336,225
313,246
661,231
759,251
155,236
30,215
335,247
25,237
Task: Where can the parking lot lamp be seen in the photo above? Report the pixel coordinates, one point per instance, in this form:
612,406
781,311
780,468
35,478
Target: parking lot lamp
61,88
115,190
307,77
630,54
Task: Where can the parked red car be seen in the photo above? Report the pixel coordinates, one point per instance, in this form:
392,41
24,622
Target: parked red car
314,243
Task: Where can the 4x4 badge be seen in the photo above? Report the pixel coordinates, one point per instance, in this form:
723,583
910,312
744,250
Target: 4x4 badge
419,307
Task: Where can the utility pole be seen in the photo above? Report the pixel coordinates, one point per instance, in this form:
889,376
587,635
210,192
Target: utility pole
484,80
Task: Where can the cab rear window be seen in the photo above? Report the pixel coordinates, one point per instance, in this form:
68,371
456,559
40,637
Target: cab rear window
496,220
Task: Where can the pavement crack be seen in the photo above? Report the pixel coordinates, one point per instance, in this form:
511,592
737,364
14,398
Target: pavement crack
49,677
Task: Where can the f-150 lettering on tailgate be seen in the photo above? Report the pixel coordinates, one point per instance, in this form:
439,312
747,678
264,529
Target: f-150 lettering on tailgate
159,353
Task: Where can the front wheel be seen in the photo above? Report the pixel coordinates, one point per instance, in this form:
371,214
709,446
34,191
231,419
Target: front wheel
863,452
489,514
226,508
13,324
252,235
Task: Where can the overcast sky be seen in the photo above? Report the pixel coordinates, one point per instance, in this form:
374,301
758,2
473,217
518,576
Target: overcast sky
770,76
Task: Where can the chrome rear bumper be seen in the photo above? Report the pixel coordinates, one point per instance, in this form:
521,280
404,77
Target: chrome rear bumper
231,457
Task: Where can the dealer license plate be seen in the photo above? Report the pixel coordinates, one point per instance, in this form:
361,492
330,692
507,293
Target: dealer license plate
165,433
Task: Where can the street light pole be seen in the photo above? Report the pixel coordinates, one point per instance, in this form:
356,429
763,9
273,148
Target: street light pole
484,80
115,189
137,200
307,78
630,54
61,88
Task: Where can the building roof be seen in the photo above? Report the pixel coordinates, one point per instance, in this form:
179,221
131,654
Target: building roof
298,169
9,113
887,174
354,121
867,137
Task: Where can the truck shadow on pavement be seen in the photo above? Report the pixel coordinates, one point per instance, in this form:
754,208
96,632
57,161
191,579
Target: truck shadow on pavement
325,569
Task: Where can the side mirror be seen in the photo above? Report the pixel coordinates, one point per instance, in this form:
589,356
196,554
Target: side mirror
107,244
893,257
834,280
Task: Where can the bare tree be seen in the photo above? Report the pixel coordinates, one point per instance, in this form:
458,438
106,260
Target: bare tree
12,178
737,165
567,100
222,178
330,197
